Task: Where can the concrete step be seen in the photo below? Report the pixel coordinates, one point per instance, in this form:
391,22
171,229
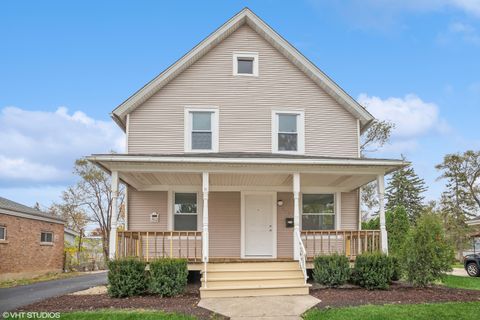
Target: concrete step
254,282
253,274
273,290
254,266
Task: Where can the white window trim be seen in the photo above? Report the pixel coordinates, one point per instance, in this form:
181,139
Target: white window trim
4,233
46,242
188,128
300,131
336,209
249,55
171,207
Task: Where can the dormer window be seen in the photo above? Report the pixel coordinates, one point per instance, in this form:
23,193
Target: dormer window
201,129
245,64
288,132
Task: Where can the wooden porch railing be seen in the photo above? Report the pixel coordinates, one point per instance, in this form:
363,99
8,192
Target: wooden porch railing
349,243
150,245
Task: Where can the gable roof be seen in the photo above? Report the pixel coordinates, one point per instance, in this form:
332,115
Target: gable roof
246,16
17,209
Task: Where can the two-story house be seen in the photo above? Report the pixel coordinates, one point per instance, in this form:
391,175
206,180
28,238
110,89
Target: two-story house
244,158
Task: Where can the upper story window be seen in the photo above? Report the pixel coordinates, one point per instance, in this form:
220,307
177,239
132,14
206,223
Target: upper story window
245,64
185,212
288,132
46,237
201,130
3,233
318,212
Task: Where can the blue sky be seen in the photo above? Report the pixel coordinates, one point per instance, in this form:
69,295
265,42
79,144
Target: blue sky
64,65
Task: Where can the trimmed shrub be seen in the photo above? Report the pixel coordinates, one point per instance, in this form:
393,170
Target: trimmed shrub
372,271
127,277
427,254
332,271
396,268
168,277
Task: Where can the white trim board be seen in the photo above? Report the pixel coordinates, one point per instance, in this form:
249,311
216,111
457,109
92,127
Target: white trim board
30,216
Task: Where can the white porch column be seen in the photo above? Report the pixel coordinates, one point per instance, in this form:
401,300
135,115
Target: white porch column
381,212
112,243
205,188
296,214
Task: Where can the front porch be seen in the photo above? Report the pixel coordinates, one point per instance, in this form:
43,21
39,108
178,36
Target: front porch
188,245
252,223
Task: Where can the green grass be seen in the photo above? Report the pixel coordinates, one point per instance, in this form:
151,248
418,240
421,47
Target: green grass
458,265
123,315
461,282
457,311
45,277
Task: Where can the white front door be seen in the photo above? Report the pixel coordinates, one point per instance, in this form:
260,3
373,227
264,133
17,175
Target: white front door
259,225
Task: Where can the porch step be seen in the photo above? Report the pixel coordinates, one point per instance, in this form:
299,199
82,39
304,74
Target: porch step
255,266
253,279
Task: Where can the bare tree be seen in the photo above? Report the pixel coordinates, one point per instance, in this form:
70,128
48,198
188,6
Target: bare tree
93,194
70,209
376,136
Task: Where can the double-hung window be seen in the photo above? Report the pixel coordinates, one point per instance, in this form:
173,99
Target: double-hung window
318,212
201,130
46,237
3,233
288,132
185,212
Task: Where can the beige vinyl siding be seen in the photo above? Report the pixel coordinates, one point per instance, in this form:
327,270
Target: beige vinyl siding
245,104
224,221
350,210
284,234
141,204
224,224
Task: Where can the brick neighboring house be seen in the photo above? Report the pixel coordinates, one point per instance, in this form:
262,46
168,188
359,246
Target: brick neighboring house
31,241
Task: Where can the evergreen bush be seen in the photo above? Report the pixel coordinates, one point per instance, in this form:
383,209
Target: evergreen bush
332,270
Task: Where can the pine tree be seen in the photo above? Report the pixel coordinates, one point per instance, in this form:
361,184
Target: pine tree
405,188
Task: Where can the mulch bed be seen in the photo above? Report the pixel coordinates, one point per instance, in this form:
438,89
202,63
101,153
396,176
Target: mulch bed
185,304
398,293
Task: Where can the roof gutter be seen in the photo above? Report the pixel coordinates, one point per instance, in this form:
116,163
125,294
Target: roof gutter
365,162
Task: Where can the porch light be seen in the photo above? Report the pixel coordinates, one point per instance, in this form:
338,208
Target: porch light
280,203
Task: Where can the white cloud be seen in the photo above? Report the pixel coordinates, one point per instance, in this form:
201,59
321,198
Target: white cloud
22,169
412,117
469,6
459,30
40,147
387,15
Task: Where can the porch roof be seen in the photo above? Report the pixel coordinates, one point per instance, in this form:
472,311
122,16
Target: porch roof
160,171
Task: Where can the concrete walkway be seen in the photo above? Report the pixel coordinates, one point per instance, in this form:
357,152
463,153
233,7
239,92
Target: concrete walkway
13,298
459,272
271,307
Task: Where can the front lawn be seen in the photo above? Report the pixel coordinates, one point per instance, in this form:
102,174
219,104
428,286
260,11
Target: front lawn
45,277
462,282
458,311
123,315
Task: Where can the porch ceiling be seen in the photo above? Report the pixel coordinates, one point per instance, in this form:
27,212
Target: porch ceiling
164,172
231,181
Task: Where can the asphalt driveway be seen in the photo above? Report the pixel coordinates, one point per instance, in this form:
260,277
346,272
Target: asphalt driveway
13,298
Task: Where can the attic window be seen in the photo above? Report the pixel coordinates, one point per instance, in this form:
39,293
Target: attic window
245,64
